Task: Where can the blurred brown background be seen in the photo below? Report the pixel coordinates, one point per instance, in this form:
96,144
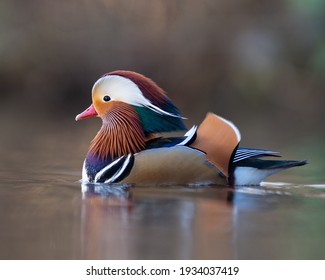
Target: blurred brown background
258,63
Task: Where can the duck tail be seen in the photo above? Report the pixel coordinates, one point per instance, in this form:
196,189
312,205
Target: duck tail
253,171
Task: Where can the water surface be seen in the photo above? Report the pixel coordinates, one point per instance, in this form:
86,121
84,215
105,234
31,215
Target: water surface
51,218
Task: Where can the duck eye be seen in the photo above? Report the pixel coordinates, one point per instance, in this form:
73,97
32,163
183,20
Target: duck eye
106,98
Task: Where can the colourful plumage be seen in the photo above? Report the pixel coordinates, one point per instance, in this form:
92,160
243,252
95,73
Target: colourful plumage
129,147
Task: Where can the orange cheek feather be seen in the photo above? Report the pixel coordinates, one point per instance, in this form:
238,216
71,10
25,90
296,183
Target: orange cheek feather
101,108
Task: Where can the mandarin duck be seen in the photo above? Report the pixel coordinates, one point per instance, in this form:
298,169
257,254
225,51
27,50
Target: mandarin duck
130,148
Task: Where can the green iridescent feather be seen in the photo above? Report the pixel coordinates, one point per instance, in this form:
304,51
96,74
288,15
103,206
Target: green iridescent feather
153,122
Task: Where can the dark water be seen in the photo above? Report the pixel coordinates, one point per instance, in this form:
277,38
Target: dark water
45,213
53,217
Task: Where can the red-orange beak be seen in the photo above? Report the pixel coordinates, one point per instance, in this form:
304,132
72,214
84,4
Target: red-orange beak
89,112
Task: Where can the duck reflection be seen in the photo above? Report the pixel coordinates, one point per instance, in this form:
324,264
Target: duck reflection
105,190
125,222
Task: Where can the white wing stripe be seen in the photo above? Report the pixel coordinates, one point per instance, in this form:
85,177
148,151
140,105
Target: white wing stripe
189,136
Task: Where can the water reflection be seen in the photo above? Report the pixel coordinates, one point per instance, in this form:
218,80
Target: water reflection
123,222
43,217
154,223
105,190
278,221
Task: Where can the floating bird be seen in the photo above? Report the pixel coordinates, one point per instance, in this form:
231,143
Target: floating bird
130,148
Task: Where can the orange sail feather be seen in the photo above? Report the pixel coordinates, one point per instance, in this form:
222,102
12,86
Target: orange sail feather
218,138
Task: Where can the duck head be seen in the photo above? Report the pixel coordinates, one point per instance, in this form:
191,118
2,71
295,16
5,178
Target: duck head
132,107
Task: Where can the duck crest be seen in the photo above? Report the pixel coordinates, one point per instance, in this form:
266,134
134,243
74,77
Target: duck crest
121,133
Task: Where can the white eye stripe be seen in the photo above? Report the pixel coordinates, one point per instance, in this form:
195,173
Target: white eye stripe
120,88
123,89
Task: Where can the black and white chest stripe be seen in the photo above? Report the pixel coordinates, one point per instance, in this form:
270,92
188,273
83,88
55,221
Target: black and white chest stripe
113,172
